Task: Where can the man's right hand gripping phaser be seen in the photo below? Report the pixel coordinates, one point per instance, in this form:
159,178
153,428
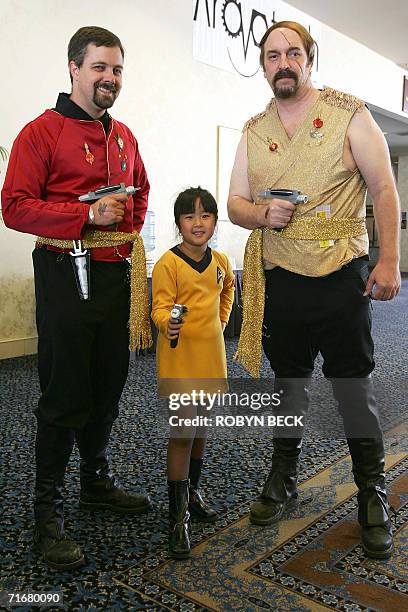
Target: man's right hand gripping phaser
290,195
177,313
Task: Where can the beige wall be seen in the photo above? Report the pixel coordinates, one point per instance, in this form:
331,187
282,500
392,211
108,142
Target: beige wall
172,103
403,191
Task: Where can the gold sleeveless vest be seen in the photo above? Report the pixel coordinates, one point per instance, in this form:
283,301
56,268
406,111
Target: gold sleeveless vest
311,161
325,233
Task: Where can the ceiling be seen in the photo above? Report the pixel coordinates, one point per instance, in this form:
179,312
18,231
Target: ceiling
395,131
381,26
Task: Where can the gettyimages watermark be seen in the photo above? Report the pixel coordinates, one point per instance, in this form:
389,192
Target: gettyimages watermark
226,408
208,400
210,403
289,408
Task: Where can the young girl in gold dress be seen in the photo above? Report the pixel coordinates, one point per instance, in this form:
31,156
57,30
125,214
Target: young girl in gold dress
193,275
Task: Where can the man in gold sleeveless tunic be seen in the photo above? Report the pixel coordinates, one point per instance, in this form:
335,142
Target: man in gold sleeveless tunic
312,274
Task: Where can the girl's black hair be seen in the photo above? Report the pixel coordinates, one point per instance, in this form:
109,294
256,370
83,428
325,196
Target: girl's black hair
184,203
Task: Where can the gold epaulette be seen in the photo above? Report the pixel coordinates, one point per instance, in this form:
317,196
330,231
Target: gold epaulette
333,97
259,116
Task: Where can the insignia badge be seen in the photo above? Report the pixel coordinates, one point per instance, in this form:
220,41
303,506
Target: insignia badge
89,157
120,142
220,275
273,146
316,132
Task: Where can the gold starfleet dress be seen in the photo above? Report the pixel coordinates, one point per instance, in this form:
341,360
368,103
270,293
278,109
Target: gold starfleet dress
311,161
207,289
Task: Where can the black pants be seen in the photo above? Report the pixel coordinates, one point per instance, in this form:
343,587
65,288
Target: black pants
305,315
83,353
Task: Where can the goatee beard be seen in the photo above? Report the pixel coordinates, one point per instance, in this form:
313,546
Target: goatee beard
102,101
286,91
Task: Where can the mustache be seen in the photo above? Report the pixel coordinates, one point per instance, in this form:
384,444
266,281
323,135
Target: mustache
285,74
107,85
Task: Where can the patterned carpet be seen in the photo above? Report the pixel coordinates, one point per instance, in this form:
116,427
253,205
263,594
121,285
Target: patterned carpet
310,561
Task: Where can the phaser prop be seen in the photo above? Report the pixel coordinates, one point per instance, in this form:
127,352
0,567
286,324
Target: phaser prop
108,190
177,313
290,195
81,265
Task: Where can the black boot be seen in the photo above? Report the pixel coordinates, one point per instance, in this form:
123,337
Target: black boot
179,541
99,487
279,492
373,510
198,507
359,410
53,448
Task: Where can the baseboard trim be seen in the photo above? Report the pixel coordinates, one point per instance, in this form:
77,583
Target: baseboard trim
18,347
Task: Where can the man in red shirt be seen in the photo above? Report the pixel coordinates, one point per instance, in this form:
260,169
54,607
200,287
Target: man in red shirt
83,350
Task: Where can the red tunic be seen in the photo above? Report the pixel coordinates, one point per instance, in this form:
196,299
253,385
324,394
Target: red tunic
48,170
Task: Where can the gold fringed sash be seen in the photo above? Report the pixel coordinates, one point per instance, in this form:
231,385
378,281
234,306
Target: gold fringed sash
316,228
249,351
140,336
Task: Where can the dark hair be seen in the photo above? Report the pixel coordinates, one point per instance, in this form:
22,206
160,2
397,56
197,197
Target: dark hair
90,35
185,201
308,42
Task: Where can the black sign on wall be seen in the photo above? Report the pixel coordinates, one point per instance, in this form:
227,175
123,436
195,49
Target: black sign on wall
227,33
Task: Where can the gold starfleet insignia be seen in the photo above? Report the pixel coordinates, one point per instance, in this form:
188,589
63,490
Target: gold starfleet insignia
90,158
120,142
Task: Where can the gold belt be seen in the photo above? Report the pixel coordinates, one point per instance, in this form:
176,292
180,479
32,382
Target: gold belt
312,228
140,336
249,351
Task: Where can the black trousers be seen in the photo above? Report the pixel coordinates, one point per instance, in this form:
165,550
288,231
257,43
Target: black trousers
83,353
308,315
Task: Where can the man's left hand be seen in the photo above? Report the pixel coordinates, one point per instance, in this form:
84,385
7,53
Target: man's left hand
384,281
